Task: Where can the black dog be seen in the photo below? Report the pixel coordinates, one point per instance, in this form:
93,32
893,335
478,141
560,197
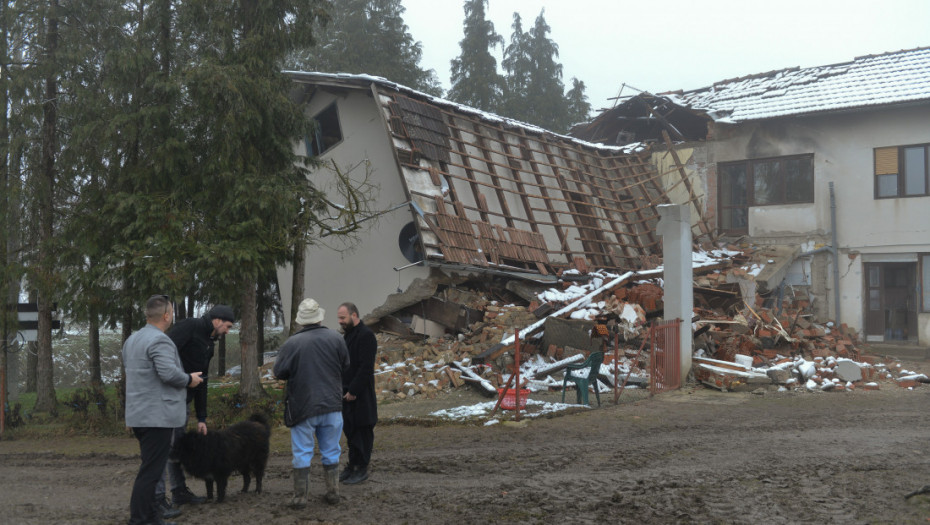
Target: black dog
243,447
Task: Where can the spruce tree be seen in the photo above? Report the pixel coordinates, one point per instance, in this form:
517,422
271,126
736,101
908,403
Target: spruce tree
579,108
535,93
517,66
545,91
475,80
368,37
244,174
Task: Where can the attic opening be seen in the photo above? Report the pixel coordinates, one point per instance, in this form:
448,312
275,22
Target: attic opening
326,132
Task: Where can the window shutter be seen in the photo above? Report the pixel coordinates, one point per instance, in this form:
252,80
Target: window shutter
886,161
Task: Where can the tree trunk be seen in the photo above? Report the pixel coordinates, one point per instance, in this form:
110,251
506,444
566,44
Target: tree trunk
250,386
180,312
31,362
45,380
46,400
297,284
8,319
96,377
221,358
31,356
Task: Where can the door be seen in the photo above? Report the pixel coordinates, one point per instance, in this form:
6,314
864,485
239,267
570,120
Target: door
891,300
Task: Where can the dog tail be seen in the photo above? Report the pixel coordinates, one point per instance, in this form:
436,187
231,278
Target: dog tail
258,417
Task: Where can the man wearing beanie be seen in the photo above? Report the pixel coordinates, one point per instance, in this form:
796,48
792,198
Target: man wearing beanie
312,362
195,338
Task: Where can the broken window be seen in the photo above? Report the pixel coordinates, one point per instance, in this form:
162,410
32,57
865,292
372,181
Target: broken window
782,180
902,171
326,132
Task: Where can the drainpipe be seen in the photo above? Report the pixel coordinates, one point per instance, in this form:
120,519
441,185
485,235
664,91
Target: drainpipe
836,257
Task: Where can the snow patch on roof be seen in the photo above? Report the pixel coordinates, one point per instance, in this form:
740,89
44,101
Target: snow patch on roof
889,78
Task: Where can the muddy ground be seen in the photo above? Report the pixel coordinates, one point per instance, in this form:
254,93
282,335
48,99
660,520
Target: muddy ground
692,456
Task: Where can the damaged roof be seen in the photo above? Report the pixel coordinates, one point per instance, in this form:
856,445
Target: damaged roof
494,193
889,78
896,78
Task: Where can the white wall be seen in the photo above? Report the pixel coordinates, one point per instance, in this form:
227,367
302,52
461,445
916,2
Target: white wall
363,273
843,154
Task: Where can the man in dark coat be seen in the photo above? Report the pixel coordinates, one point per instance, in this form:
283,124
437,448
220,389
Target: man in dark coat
195,338
360,405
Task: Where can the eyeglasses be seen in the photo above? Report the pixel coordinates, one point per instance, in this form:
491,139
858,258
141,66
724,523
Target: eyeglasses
163,297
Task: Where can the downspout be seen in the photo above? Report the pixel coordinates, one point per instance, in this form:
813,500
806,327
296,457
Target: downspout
836,257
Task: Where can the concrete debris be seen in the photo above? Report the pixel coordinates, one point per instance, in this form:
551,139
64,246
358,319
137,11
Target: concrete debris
746,337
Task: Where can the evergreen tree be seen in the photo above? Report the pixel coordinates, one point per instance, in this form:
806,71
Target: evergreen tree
475,80
517,66
579,109
545,91
535,93
244,175
368,37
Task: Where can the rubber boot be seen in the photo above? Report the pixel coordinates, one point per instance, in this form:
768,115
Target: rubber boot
330,475
301,487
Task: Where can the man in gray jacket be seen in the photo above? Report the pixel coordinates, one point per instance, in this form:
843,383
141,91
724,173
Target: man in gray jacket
155,401
312,362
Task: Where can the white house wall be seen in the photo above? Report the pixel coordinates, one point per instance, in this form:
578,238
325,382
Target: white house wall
843,147
363,273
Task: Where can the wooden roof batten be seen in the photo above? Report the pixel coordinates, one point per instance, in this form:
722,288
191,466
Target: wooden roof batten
597,205
490,192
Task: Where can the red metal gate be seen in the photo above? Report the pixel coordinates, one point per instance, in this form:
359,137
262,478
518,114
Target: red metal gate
665,362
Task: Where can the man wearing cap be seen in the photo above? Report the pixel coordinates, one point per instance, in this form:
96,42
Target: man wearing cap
195,338
312,362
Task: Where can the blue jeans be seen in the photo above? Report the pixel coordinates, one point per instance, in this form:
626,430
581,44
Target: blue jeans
327,428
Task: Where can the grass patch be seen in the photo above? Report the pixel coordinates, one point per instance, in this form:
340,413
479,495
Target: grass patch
99,411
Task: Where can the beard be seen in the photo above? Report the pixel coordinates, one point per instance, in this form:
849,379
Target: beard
347,327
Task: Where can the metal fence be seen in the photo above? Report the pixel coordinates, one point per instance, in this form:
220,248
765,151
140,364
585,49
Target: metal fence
665,358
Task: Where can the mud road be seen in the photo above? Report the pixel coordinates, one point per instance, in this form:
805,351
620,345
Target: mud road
692,456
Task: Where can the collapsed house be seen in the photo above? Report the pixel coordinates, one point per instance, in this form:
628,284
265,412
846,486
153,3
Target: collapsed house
474,218
828,165
459,194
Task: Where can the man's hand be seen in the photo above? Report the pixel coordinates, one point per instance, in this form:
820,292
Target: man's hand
201,428
195,379
349,396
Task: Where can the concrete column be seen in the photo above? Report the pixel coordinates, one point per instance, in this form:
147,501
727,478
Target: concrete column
675,228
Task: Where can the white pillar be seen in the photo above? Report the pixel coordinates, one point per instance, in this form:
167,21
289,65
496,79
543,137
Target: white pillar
675,228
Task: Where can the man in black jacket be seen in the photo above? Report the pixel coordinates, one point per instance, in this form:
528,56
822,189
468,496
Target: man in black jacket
195,338
360,405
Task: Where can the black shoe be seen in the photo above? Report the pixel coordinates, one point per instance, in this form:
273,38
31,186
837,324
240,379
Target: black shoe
360,475
346,472
184,495
165,510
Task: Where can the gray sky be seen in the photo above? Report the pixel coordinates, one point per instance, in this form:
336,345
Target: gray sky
681,44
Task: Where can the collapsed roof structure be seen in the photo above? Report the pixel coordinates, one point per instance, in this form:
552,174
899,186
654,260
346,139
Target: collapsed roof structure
467,191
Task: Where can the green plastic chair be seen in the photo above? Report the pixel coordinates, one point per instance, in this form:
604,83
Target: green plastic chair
593,365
